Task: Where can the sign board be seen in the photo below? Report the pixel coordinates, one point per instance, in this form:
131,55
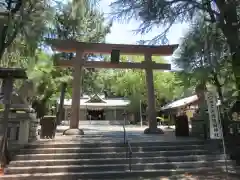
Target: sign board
214,120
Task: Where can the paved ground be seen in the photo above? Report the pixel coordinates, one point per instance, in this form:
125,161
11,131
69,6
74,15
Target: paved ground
115,133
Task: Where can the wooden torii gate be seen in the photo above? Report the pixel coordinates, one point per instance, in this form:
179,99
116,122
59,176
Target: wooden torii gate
80,48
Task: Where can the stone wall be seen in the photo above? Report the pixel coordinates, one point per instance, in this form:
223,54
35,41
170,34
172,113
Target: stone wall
119,113
110,114
82,114
200,125
198,128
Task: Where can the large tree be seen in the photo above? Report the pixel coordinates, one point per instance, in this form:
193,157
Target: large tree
86,27
223,13
204,57
21,21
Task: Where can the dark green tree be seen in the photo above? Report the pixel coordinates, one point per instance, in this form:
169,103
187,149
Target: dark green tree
87,27
204,57
223,13
21,21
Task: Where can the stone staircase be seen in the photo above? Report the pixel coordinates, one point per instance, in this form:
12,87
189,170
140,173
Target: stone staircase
104,159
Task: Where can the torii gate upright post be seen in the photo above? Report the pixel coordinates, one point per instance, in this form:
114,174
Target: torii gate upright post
76,95
78,62
152,121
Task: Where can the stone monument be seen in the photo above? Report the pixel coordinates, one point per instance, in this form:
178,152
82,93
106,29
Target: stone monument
200,118
22,123
7,75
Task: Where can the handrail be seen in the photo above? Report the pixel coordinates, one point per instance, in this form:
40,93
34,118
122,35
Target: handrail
129,155
124,134
128,148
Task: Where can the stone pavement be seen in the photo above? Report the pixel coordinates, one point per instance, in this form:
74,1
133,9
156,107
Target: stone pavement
115,133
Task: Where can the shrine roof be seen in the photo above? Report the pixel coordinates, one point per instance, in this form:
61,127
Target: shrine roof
111,102
180,102
95,99
102,48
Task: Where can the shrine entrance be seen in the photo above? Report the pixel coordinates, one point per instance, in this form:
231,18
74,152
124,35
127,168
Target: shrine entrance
78,62
95,114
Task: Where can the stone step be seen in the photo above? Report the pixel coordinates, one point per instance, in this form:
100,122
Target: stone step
59,162
113,167
102,143
192,176
112,174
109,155
51,150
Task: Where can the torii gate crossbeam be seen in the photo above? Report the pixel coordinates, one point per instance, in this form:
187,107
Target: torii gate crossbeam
120,65
78,62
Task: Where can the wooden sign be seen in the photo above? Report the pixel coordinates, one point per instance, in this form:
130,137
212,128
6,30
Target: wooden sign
214,120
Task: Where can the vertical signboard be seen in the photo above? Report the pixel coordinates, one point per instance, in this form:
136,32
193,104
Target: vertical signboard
214,120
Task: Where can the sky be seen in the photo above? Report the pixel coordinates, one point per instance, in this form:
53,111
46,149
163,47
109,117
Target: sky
122,33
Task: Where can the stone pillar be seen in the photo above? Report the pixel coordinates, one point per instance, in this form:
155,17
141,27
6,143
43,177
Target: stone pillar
24,131
76,95
33,127
152,120
8,87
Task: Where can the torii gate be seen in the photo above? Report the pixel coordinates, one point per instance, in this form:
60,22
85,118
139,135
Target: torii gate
78,62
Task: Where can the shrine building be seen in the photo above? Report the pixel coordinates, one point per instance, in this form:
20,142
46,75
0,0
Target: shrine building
98,108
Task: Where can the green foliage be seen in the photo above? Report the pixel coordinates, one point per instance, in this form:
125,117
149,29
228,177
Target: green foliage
31,26
131,84
23,29
166,13
153,12
81,21
221,16
89,27
204,58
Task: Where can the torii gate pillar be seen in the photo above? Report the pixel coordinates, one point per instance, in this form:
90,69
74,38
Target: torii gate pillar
76,95
152,120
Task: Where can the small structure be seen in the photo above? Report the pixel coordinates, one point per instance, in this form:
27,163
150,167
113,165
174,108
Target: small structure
98,108
201,110
8,75
188,104
22,122
48,127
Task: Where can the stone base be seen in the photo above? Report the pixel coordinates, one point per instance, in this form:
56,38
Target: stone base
70,132
153,131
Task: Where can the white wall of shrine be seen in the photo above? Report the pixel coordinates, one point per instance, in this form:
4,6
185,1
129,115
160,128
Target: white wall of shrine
113,108
110,113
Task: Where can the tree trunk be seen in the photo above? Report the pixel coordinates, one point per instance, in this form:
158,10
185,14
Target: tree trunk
218,86
61,104
228,21
236,68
